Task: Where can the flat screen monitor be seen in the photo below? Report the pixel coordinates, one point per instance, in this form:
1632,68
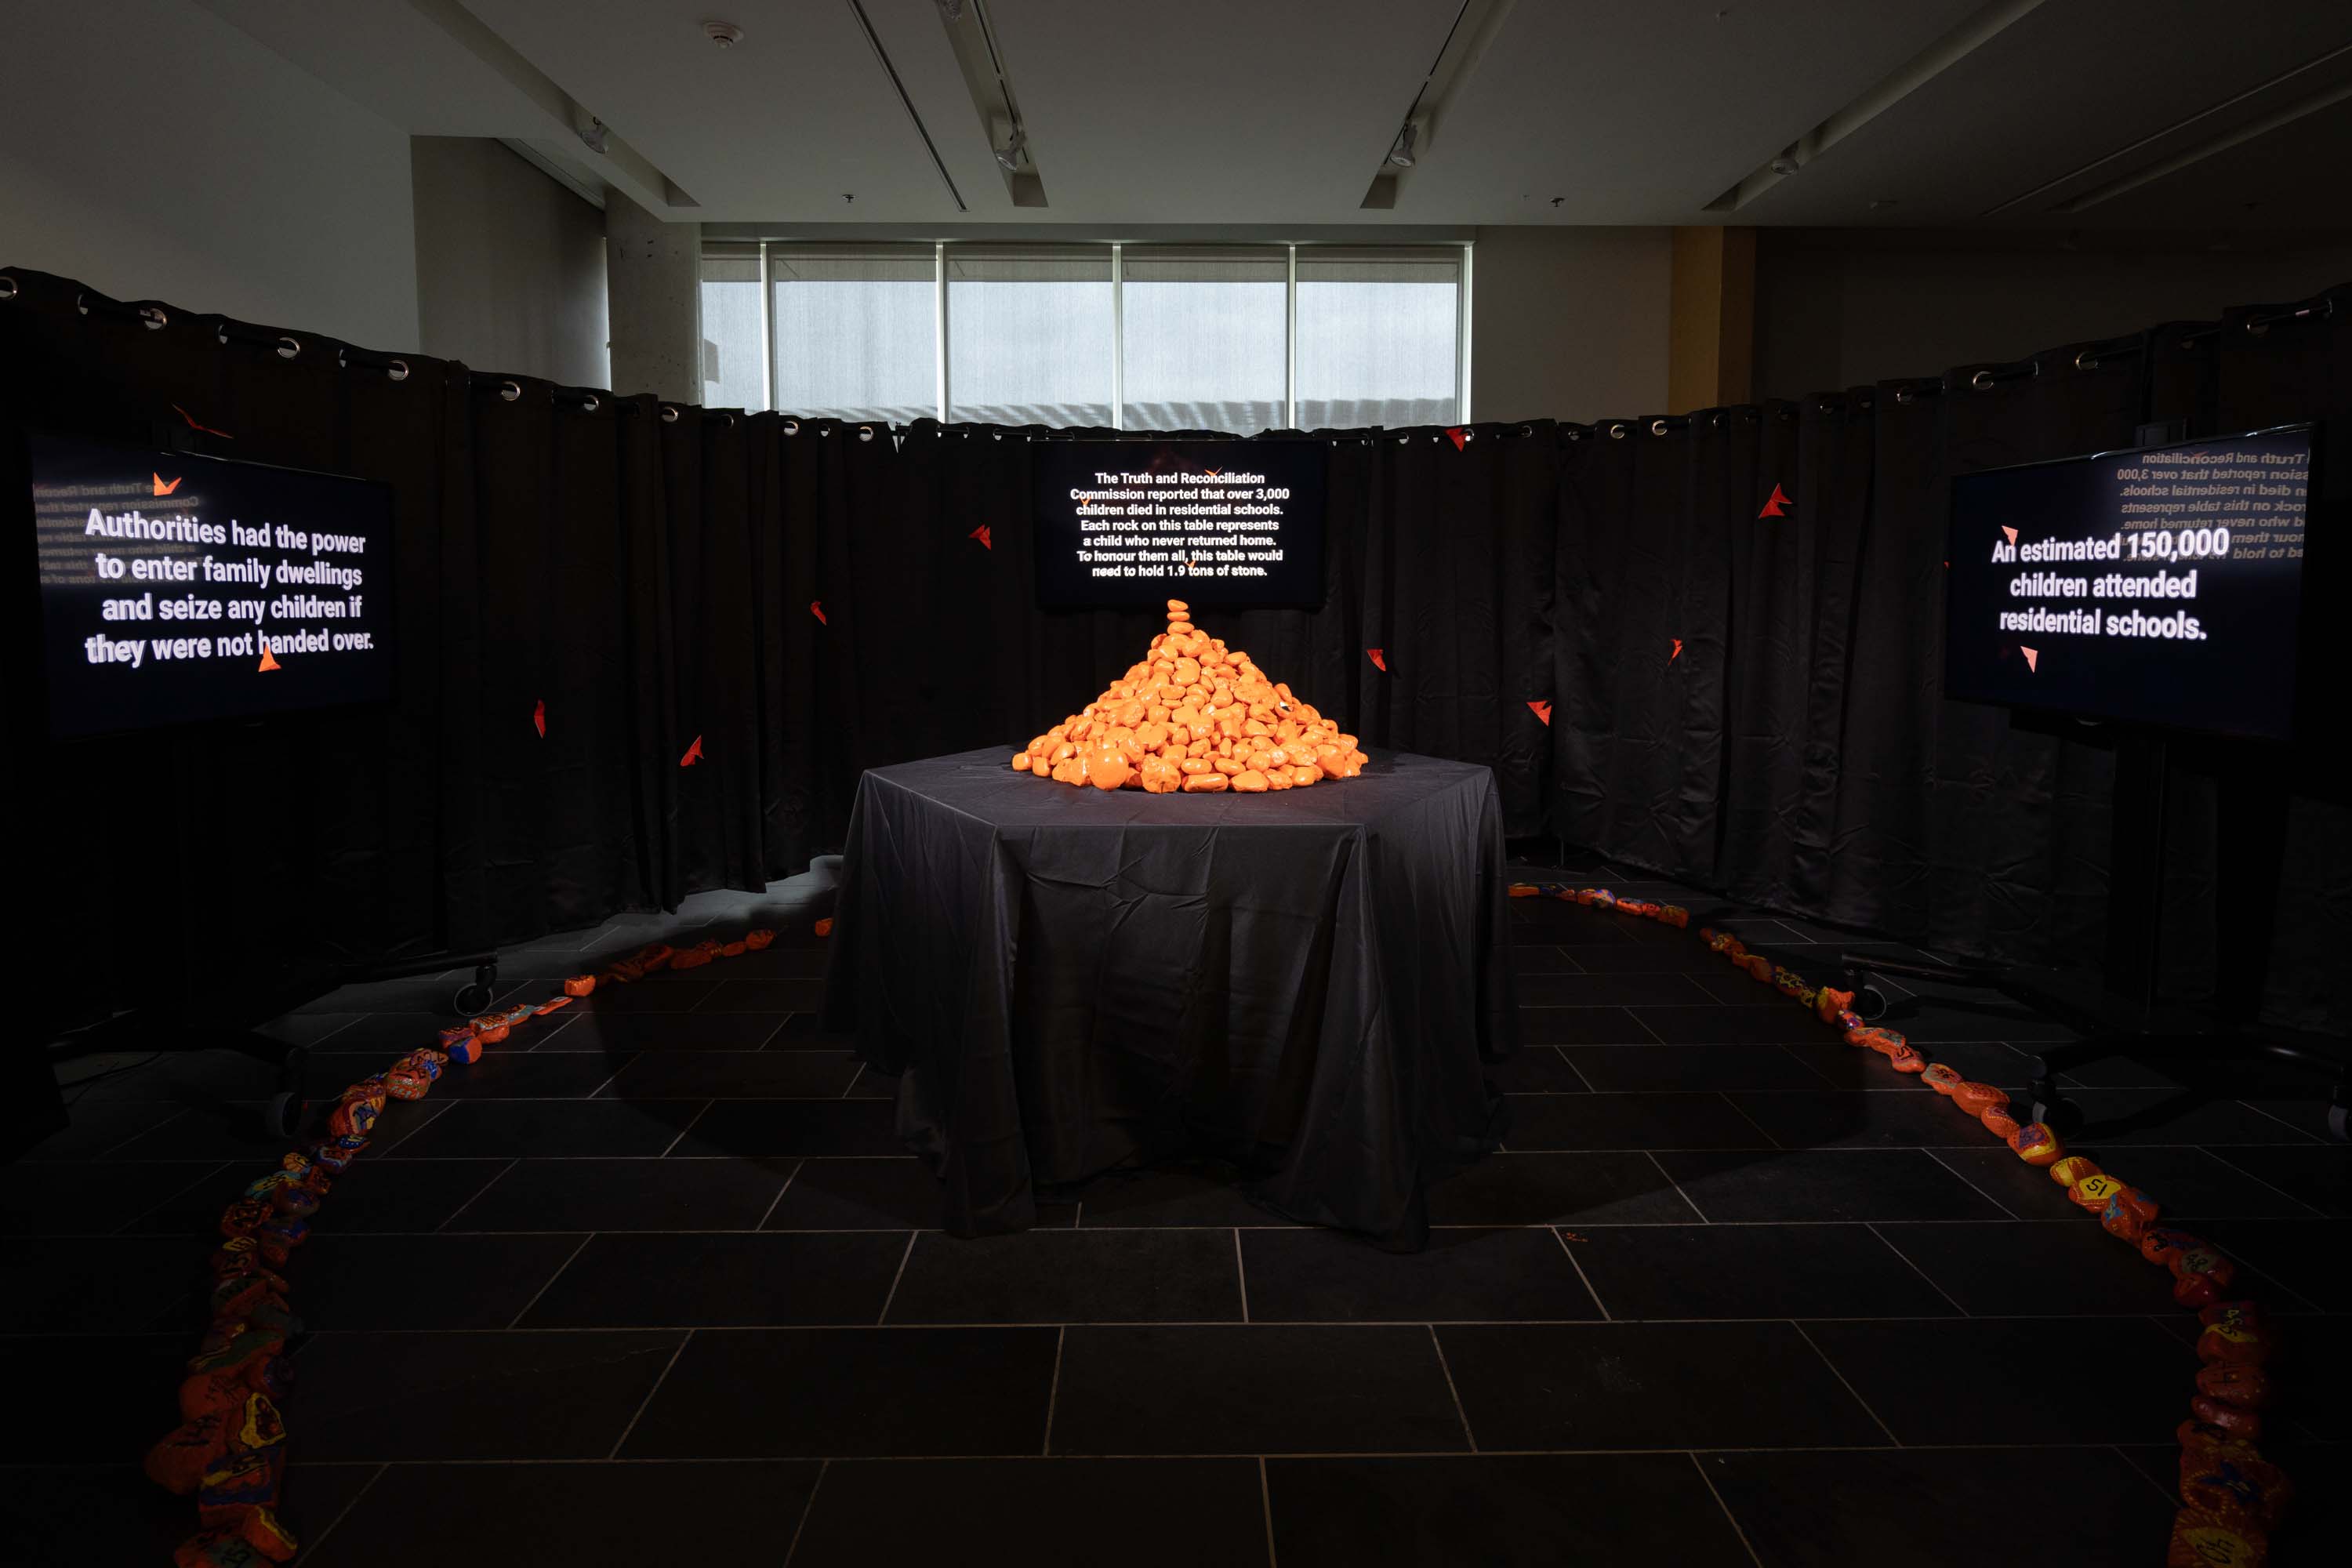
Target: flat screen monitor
177,589
2160,587
1130,524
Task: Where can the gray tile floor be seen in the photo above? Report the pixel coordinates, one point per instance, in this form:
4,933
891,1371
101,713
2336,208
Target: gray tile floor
654,1282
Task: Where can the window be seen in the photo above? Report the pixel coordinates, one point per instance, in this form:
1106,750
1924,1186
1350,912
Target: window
1029,335
1377,336
732,374
1230,338
1203,336
854,334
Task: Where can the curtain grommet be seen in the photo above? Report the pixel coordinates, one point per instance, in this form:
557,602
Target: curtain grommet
7,287
1863,405
825,429
589,403
1527,429
1982,380
1658,427
396,370
1617,432
865,432
668,414
2085,361
511,390
153,318
1469,434
289,348
1904,394
792,426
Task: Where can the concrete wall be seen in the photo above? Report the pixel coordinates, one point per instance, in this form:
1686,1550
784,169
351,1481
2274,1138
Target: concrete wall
152,151
1569,323
509,263
1838,308
655,283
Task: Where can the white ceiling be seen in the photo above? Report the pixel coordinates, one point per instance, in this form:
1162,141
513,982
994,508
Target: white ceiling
1278,111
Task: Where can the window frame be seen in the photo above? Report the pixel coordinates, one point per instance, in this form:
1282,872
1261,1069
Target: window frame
942,391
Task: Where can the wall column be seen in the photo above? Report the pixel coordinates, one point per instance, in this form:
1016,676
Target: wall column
655,276
1711,333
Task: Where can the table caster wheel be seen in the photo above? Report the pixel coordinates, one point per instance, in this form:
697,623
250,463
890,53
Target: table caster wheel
1870,1004
283,1116
472,998
2060,1116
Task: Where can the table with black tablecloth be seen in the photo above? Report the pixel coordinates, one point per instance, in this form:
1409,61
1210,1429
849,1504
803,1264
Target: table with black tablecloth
1067,980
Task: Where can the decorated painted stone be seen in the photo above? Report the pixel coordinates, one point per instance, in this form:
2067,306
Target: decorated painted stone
353,1118
245,1216
825,926
178,1463
757,938
467,1051
2233,1482
2072,1168
1999,1122
579,986
2247,1387
1903,1058
2237,1338
1829,1003
2162,1244
238,1482
689,959
406,1083
2093,1191
2127,1214
219,1549
2202,1438
267,1533
2243,1424
2203,1540
2199,1275
1976,1098
1943,1079
1883,1041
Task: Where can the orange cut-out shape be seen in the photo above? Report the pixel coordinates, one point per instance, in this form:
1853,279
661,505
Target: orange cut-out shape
268,659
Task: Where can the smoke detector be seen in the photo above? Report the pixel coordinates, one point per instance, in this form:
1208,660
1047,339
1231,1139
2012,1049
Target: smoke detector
726,34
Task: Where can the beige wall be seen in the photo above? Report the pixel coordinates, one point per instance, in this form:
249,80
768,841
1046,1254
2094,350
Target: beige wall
1569,323
656,272
1839,308
509,263
151,150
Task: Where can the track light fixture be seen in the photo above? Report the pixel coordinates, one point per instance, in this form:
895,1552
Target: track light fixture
1400,152
593,134
952,9
1014,152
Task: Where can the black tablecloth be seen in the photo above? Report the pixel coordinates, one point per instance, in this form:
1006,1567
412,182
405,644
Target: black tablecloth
1068,980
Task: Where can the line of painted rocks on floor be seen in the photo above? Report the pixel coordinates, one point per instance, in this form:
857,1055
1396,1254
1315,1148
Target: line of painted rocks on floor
2231,1497
229,1449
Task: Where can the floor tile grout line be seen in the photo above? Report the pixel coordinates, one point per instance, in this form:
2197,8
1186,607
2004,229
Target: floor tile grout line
2308,1137
2311,1211
552,1279
646,1402
611,1079
443,1228
2171,1500
1668,1177
1577,1071
1460,1414
682,1132
1872,1226
1266,1501
1581,1274
808,1507
770,1212
1240,1272
1752,1122
1730,1518
1963,1178
882,1316
1834,1372
181,1191
1226,1454
119,1147
345,1511
1054,1390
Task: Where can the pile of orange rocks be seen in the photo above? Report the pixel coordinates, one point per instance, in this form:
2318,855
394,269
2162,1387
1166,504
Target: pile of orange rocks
1196,716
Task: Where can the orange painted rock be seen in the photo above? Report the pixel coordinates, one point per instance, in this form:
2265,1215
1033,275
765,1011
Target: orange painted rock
1305,773
2127,1214
733,950
1976,1098
2203,1540
756,940
2234,1335
2247,1387
1941,1079
1829,1003
2232,1480
1903,1058
2236,1420
1999,1122
2093,1191
493,1035
1106,769
692,958
2035,1143
1249,781
1205,784
825,926
2199,1275
2072,1169
579,986
2162,1244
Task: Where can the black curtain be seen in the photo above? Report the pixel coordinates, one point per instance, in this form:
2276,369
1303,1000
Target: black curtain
1732,620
